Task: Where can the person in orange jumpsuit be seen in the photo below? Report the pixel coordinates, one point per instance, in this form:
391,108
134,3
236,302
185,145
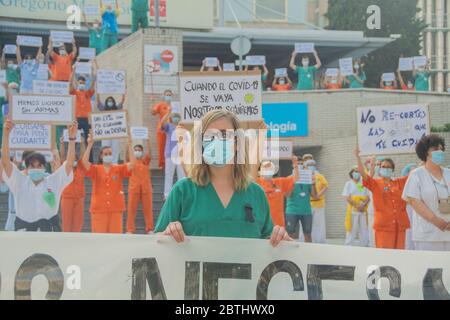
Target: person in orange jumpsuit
390,217
276,189
140,189
161,109
62,61
108,199
72,198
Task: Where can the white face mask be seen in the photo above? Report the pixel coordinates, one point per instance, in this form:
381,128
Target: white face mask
333,81
356,66
138,154
62,52
282,82
305,63
389,84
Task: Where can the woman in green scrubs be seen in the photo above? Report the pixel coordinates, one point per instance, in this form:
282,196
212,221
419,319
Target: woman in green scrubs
219,199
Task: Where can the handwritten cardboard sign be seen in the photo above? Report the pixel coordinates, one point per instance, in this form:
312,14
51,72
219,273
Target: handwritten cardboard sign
50,87
139,133
31,136
111,81
109,125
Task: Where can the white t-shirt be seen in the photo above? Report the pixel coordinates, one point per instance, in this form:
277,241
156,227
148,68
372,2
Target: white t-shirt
351,189
29,198
421,185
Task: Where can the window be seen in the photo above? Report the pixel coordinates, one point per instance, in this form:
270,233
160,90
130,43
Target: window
271,9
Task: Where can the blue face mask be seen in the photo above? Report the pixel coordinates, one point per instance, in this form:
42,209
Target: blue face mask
356,175
218,153
438,157
81,87
36,174
176,120
312,168
386,172
107,159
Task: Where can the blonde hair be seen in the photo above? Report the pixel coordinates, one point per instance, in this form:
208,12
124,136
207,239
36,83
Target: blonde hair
199,172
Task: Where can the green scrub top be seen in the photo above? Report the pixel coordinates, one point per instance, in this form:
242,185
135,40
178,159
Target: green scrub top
306,78
354,84
96,40
422,81
13,75
201,212
139,5
298,203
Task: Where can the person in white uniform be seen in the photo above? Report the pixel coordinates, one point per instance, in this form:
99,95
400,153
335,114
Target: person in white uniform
409,244
357,198
428,192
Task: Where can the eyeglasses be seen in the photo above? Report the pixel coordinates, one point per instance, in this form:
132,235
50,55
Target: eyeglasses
225,134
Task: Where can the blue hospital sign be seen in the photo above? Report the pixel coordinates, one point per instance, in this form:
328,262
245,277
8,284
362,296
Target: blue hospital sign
290,118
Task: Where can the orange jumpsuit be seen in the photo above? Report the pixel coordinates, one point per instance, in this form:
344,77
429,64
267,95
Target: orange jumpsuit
63,67
72,202
108,199
140,188
162,108
390,217
276,190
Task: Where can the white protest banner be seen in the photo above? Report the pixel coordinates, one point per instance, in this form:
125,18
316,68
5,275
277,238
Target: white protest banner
278,150
420,61
255,60
59,37
111,81
346,66
237,62
211,62
392,129
388,77
108,2
51,88
66,136
42,72
229,67
2,76
305,176
87,53
406,64
47,154
139,133
238,92
58,110
83,68
116,267
305,47
281,72
109,125
10,49
91,10
28,41
332,72
160,68
31,136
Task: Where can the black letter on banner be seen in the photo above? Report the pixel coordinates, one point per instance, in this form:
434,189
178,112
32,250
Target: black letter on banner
213,271
433,286
192,281
35,265
271,270
146,269
317,273
395,282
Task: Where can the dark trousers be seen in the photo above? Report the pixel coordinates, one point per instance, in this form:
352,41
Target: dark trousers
43,225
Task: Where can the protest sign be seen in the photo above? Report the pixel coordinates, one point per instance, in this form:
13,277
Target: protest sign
388,77
91,10
28,41
114,267
160,68
392,129
346,66
238,92
42,72
281,72
305,176
275,149
255,60
87,53
229,67
59,37
111,81
332,72
406,64
109,125
420,61
50,87
10,49
305,47
139,133
83,68
211,62
66,136
42,109
31,136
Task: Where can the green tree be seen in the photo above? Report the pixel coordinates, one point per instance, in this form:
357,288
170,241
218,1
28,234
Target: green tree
397,17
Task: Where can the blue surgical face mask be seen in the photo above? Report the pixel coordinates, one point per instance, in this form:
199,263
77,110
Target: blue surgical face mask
138,154
81,87
110,104
312,168
108,159
386,172
36,174
167,98
176,120
224,153
356,175
438,157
